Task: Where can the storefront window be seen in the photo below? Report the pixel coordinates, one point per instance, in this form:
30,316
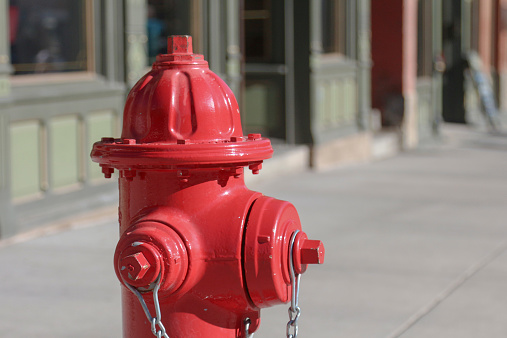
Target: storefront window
264,36
258,32
49,36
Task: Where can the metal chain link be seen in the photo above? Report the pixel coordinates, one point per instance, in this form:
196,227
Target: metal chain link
247,328
157,320
294,309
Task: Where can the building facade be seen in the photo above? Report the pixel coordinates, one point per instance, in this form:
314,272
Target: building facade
65,70
311,73
307,69
62,88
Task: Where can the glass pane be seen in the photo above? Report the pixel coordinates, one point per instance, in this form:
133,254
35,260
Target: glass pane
334,24
25,158
48,36
257,16
264,37
63,135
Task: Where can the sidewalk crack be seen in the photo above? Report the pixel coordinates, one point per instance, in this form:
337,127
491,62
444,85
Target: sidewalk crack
449,290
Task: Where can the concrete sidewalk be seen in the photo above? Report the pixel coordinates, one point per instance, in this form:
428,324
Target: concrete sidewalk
416,246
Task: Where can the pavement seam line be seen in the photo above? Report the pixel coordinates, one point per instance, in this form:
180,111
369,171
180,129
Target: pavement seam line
449,290
95,218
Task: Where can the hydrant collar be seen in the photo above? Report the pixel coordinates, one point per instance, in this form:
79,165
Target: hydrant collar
120,154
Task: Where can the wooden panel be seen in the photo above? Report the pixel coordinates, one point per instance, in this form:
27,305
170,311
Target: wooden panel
64,151
257,104
264,110
350,100
25,158
424,107
336,103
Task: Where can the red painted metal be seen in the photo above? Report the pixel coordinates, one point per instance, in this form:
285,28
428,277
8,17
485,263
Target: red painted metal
185,214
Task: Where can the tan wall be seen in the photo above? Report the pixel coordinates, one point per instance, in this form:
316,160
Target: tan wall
355,148
485,32
410,135
502,53
502,36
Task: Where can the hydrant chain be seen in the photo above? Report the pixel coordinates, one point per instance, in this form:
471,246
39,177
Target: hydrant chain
157,320
294,309
247,323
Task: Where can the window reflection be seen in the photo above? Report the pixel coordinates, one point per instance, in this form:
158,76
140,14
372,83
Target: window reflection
48,36
170,17
334,26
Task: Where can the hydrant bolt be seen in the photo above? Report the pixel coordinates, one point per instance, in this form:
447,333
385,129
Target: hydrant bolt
253,137
134,267
255,168
129,141
107,171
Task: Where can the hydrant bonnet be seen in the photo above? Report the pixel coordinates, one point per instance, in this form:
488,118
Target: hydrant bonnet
178,115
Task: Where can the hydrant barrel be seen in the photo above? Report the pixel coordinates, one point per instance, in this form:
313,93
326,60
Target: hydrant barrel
195,242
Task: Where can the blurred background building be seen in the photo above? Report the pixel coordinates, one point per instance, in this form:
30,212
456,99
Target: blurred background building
337,77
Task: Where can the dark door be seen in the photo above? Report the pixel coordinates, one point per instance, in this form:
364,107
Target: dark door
454,78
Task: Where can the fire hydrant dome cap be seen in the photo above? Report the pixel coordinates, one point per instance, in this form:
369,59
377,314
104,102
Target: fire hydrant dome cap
181,113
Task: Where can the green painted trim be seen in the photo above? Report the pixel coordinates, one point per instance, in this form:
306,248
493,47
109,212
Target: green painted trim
315,27
233,49
4,27
301,80
136,39
329,66
325,136
295,66
31,94
5,65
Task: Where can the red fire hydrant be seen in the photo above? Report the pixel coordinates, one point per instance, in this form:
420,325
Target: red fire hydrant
199,253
